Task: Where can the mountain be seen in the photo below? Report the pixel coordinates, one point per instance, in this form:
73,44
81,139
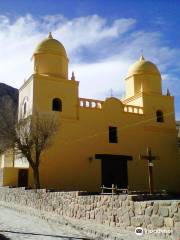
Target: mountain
8,114
10,92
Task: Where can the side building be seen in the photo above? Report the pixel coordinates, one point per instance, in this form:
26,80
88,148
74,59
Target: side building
99,142
10,169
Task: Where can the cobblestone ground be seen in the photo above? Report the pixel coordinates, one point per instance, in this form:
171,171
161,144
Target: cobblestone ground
18,226
14,225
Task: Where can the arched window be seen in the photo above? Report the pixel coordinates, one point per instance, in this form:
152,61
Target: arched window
25,108
159,116
57,105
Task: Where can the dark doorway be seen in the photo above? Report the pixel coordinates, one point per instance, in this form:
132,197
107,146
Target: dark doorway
114,170
23,178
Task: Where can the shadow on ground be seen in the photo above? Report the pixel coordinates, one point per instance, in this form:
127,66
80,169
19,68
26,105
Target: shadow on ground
2,237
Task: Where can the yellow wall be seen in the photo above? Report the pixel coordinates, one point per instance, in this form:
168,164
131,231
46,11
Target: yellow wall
142,82
135,100
46,88
66,164
47,65
10,176
70,163
26,95
129,87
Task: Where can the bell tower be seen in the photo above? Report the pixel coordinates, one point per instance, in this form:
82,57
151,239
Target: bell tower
143,76
48,89
144,89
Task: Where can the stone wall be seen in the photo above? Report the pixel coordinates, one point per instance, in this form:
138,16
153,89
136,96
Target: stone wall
112,210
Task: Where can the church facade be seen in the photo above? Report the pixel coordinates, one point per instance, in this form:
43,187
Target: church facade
99,142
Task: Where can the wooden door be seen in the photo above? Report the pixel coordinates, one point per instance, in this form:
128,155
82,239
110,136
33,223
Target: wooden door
23,178
114,171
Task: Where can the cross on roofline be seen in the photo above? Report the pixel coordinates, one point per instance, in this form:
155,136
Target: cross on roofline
111,92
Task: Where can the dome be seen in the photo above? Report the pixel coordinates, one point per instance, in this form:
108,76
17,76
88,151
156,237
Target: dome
50,58
51,45
143,67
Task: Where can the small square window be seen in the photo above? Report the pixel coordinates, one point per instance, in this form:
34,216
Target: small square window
57,105
113,135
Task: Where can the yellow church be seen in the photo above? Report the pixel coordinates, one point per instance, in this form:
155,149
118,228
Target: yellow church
98,142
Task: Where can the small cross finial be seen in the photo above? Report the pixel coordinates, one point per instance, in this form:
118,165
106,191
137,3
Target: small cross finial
111,92
142,56
73,76
50,35
168,92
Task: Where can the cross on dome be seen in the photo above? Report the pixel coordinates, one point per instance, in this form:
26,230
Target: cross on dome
142,58
50,35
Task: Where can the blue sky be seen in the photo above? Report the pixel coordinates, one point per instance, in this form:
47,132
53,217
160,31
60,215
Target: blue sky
102,39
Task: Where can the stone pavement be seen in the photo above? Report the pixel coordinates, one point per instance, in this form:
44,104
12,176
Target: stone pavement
18,225
15,225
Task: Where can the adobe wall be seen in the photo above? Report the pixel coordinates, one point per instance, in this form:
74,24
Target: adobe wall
112,210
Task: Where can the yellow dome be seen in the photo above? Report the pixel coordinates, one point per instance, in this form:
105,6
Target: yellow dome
50,45
143,67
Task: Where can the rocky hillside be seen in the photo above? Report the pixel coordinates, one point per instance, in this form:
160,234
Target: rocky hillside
8,91
8,114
